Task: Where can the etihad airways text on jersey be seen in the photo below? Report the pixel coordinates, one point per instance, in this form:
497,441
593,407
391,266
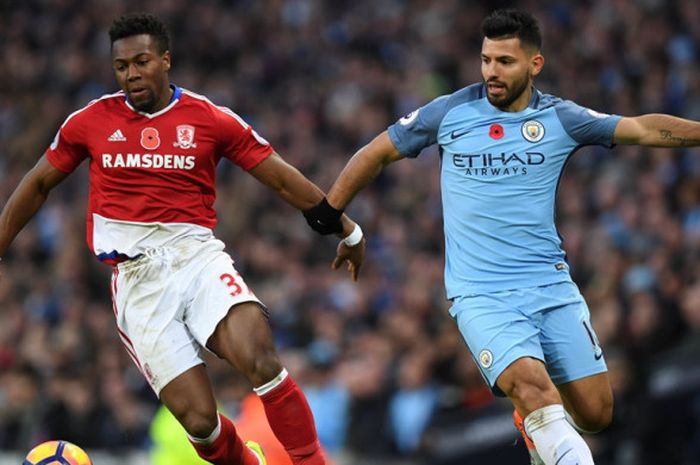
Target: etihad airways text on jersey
148,160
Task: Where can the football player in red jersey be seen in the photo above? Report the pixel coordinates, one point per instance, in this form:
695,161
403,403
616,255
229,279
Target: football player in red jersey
153,149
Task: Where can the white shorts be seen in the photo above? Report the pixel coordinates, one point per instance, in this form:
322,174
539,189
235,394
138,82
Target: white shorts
169,301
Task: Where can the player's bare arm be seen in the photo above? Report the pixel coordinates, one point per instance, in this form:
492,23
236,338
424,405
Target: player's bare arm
658,130
300,192
362,168
25,201
293,187
287,181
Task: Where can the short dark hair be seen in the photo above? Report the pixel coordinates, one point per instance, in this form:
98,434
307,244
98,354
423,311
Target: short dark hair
511,23
134,24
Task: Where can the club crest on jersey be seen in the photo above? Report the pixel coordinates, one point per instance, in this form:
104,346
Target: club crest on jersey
150,139
185,137
532,130
486,358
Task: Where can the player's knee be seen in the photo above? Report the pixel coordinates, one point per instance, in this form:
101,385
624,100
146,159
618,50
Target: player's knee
199,424
596,417
529,390
527,384
263,367
533,395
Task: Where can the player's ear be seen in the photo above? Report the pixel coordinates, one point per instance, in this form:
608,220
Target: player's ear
536,64
166,60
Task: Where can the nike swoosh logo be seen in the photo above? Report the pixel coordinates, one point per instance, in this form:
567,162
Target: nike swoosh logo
598,356
457,134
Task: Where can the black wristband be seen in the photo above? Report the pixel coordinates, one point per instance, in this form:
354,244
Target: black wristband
323,218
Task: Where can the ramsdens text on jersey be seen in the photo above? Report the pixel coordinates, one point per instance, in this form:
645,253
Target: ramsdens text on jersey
148,160
503,164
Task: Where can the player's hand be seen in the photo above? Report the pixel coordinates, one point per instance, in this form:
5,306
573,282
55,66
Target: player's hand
354,255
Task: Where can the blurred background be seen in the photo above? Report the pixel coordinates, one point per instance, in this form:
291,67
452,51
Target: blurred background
386,373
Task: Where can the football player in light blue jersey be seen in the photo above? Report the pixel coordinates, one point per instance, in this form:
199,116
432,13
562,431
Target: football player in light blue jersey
503,147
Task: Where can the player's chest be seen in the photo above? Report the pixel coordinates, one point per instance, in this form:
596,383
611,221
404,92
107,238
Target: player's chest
465,134
510,148
168,136
173,144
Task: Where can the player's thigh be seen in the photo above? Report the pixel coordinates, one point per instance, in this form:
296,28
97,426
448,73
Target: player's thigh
575,359
227,318
244,339
148,307
218,288
570,345
496,332
190,398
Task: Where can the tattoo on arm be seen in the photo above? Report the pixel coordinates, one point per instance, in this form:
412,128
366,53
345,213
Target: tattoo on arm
667,134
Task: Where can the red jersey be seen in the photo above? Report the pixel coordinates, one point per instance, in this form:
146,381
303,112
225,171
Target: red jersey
152,176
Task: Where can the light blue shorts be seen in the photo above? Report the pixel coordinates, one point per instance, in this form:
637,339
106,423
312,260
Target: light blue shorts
550,323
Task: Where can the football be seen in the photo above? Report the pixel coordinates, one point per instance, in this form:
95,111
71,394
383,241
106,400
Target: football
57,453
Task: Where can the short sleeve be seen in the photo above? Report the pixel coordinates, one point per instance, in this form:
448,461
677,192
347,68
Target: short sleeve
418,129
586,126
67,150
238,140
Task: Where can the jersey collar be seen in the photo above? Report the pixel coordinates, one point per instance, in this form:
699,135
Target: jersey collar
534,98
177,93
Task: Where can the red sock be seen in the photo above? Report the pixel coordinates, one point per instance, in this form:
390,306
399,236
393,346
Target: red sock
227,448
291,420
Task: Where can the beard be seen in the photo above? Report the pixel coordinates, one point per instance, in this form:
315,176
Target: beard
510,95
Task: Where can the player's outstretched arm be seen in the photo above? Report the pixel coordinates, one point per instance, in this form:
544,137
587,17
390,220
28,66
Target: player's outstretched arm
287,181
362,168
657,130
25,201
293,187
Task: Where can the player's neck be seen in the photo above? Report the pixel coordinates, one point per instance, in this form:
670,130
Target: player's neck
165,99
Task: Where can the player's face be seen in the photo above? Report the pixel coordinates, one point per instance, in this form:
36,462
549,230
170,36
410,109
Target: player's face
142,72
508,69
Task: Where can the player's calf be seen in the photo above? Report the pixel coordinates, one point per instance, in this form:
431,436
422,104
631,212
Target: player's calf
535,458
290,418
556,441
223,446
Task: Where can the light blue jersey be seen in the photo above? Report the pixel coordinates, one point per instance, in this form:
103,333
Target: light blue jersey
499,177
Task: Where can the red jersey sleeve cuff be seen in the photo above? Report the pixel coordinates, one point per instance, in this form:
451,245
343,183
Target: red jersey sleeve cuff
54,161
253,161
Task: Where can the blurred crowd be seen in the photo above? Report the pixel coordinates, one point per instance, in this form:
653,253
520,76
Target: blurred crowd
385,370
